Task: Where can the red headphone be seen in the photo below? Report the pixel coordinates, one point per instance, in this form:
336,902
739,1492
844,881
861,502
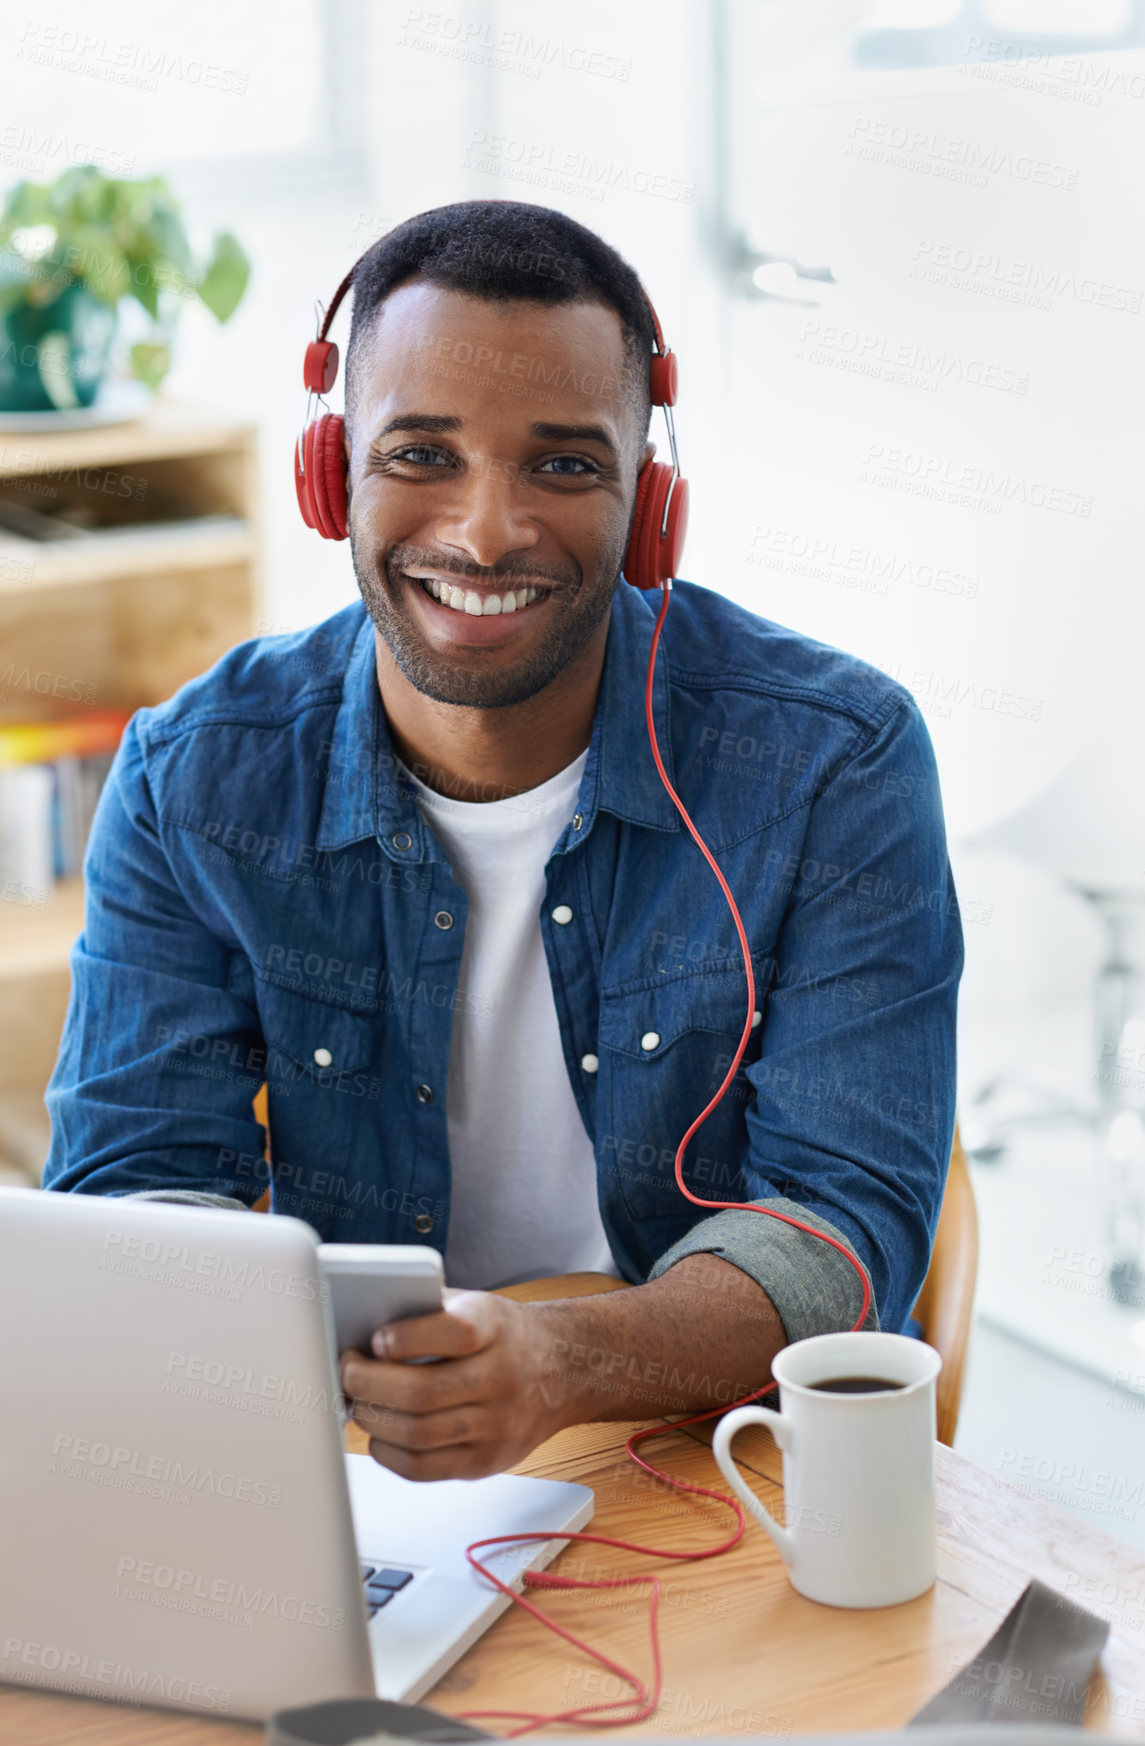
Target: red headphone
660,515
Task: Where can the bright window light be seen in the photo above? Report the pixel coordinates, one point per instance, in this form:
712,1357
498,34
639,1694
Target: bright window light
153,81
1060,17
910,14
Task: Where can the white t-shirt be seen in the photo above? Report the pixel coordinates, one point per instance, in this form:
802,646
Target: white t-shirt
523,1199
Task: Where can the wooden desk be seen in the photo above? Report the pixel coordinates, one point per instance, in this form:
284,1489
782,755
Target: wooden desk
743,1653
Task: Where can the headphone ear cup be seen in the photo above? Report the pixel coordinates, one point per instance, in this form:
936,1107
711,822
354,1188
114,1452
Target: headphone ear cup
650,560
671,547
303,473
631,565
326,465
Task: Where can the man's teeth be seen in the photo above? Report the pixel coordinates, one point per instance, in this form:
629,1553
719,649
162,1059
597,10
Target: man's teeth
480,605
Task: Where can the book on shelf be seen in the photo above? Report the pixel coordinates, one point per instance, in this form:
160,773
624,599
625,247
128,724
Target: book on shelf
51,774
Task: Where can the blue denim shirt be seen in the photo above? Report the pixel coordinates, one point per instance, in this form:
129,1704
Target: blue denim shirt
265,902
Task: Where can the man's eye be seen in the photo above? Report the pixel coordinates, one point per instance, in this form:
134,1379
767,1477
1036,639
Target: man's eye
422,455
566,461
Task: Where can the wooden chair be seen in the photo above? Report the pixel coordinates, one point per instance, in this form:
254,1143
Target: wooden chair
262,1204
944,1305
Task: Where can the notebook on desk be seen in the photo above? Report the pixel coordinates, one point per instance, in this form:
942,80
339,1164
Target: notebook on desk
180,1524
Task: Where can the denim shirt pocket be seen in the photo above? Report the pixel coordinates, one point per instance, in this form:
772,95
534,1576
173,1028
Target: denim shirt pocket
665,1048
312,1044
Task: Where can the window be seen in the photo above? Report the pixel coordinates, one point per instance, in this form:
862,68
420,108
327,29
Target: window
228,89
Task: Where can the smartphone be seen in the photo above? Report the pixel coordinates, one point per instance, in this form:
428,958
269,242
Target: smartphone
372,1283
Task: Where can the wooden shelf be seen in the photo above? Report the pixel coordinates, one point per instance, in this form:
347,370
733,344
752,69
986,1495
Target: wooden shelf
170,428
36,942
27,566
124,616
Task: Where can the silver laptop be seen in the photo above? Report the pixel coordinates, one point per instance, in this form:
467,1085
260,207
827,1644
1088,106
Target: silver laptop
179,1522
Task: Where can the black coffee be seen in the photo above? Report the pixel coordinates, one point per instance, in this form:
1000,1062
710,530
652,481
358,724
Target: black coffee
855,1385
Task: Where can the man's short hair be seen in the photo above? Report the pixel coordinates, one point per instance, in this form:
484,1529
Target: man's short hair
505,251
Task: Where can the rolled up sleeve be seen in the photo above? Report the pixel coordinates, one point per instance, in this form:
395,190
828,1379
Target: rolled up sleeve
853,1115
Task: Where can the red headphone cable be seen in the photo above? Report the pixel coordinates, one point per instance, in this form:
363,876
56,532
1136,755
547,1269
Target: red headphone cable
644,1701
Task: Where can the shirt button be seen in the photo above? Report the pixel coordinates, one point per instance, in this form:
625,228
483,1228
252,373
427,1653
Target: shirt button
590,1063
443,919
423,1224
562,914
402,840
756,1019
424,1094
650,1040
578,820
323,1057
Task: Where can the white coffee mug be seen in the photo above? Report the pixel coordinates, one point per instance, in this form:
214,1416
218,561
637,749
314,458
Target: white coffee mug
858,1468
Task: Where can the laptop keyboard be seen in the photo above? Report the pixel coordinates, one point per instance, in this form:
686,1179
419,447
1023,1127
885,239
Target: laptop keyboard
382,1582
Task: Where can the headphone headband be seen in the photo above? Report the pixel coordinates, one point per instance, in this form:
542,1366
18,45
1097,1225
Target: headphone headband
320,367
660,515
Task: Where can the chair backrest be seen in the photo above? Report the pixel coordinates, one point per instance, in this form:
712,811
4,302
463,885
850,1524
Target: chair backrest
261,1114
946,1301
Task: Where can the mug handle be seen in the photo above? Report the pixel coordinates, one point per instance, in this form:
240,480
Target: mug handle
780,1429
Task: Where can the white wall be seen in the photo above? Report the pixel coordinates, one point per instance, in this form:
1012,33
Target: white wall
777,427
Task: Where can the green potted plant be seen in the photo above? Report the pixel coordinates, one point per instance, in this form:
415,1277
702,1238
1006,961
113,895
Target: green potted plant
70,251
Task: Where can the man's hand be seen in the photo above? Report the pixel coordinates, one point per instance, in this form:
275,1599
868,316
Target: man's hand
513,1374
481,1409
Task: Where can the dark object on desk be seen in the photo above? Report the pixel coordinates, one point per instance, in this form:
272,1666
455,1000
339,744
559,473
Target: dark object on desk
343,1720
1035,1668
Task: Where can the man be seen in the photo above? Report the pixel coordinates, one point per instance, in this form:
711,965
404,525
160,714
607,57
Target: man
416,870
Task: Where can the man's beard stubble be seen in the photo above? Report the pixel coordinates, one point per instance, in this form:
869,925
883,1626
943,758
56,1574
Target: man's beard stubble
467,682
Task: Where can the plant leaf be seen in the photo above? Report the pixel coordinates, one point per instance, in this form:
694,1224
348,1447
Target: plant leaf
222,285
25,205
99,262
150,363
144,284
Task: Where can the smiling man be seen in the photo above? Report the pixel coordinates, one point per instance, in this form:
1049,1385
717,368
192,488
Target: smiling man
415,870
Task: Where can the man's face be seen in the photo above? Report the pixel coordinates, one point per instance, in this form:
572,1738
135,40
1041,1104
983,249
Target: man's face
492,469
